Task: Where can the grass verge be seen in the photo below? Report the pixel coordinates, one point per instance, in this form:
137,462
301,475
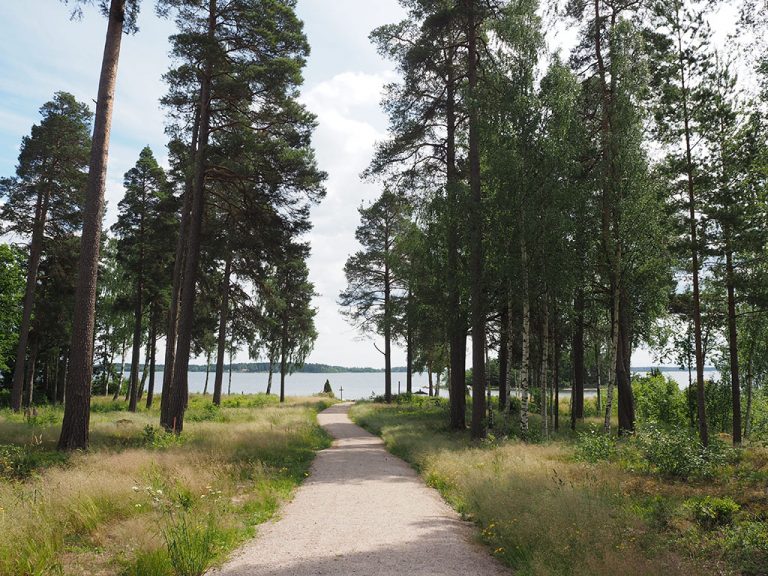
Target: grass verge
144,502
544,512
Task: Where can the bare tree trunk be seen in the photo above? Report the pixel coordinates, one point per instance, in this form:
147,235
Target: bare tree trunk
229,378
178,273
748,414
577,361
409,356
429,378
700,399
145,369
437,384
35,253
626,401
152,360
476,234
77,410
457,333
133,385
223,318
614,355
283,359
173,418
207,371
556,376
31,374
597,370
503,358
269,378
120,374
387,326
733,340
526,337
545,367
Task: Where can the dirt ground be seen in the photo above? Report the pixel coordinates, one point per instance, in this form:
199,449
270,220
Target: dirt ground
362,512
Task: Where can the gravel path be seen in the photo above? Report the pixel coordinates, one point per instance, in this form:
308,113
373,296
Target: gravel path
363,512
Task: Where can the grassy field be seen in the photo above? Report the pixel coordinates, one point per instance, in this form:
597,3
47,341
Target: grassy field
143,502
544,511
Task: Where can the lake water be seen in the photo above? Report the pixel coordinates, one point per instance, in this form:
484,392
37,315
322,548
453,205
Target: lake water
356,386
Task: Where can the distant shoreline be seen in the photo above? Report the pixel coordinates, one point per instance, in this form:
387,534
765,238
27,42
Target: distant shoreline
311,368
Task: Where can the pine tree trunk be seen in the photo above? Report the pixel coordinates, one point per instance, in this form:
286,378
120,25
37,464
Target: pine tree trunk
35,253
476,234
229,377
457,333
77,410
283,359
133,386
626,403
222,345
145,370
437,384
409,359
387,324
733,348
545,367
429,379
173,419
700,398
178,273
556,376
152,360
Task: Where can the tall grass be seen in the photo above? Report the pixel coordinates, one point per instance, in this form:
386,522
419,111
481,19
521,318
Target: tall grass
136,504
540,511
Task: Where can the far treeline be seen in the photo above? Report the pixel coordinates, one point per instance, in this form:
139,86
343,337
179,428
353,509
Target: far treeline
209,255
561,209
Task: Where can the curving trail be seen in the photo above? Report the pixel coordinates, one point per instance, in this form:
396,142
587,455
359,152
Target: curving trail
363,512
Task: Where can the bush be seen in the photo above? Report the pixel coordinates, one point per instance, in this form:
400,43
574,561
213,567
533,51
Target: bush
676,453
711,512
594,446
206,413
159,438
14,462
747,546
327,390
659,399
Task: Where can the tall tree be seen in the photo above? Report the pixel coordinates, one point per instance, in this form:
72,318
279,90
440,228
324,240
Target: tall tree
142,229
45,197
372,284
121,17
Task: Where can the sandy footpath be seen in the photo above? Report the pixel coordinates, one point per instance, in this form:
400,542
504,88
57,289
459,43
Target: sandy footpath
362,512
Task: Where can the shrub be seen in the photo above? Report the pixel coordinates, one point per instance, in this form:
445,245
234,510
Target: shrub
659,399
676,453
327,390
206,413
711,512
747,546
159,438
594,446
14,462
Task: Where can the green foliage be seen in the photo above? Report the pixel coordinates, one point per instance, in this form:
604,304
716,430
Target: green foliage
12,282
747,545
192,545
677,453
149,563
659,399
595,446
20,462
711,512
206,413
159,438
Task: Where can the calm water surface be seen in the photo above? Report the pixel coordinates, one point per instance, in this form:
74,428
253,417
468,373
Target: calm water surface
355,386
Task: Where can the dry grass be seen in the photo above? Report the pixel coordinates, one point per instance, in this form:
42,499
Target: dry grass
539,510
100,511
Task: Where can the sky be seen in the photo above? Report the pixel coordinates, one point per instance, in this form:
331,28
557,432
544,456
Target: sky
43,51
